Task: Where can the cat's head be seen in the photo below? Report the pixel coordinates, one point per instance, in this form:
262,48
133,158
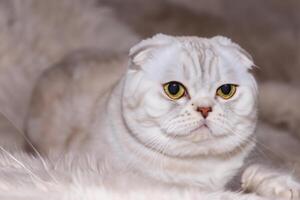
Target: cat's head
190,96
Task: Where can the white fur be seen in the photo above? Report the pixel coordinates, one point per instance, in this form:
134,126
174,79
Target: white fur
160,133
136,131
141,127
85,179
270,183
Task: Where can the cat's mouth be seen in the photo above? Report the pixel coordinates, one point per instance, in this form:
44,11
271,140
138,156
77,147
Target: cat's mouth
199,134
204,126
202,132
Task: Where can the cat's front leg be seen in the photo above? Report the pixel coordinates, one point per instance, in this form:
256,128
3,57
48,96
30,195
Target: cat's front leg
270,183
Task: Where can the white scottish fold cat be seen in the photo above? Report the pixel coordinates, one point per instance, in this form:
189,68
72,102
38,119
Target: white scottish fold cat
183,114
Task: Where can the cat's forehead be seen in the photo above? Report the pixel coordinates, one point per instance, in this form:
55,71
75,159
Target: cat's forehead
194,43
206,54
194,59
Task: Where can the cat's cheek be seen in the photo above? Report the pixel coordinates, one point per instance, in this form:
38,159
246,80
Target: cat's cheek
246,102
217,121
155,105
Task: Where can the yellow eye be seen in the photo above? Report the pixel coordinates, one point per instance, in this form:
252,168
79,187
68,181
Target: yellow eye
174,90
226,91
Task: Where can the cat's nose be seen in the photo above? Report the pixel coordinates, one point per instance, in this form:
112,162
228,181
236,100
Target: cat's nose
204,111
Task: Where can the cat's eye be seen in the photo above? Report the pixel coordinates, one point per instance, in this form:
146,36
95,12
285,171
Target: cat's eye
226,91
174,90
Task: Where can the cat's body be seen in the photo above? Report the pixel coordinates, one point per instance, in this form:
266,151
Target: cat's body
83,86
131,125
74,88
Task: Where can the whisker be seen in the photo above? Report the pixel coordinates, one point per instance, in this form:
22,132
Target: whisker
31,145
242,140
260,146
153,143
166,146
32,175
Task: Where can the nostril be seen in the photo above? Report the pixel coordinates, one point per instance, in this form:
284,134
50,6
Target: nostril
204,111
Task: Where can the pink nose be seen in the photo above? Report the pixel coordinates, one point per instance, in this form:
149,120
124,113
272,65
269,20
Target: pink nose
204,111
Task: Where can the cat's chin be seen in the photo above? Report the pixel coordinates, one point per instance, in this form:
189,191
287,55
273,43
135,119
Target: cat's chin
199,134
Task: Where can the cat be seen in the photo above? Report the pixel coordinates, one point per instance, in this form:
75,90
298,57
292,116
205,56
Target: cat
183,114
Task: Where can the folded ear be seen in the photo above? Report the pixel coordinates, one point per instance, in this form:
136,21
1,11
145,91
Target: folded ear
242,54
143,51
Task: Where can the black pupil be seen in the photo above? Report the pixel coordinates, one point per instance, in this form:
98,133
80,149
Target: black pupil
226,88
173,88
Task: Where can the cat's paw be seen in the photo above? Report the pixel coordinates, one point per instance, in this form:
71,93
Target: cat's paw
268,183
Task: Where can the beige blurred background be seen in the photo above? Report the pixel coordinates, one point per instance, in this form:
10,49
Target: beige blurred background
35,34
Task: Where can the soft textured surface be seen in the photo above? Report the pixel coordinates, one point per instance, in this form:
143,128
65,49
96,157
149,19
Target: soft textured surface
35,34
77,178
140,127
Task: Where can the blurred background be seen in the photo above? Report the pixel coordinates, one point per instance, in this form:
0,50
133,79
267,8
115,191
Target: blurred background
35,34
